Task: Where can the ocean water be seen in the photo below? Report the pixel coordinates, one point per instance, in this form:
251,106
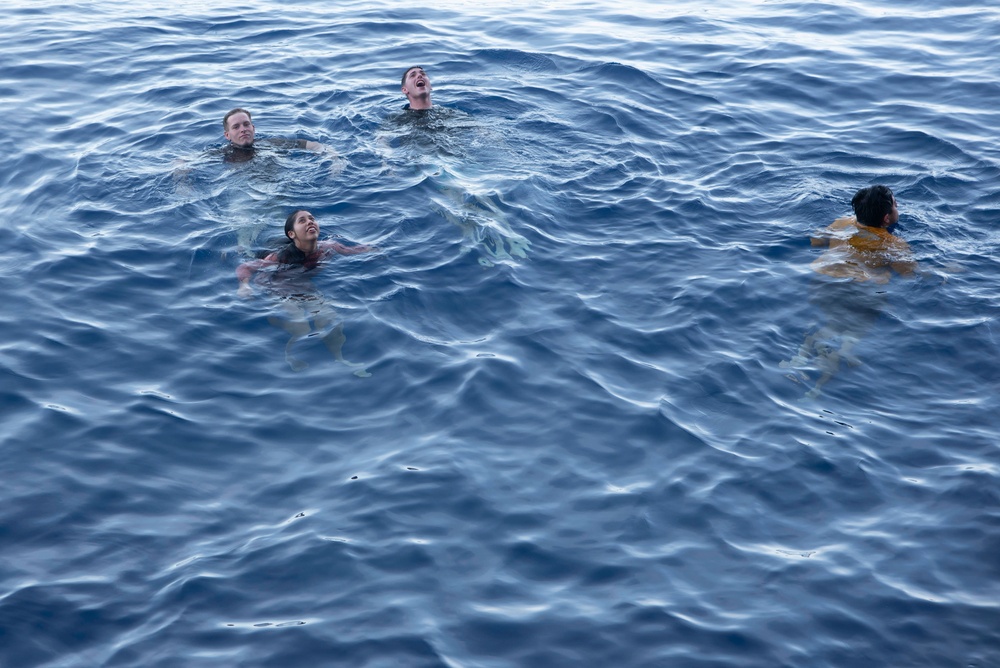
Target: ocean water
577,445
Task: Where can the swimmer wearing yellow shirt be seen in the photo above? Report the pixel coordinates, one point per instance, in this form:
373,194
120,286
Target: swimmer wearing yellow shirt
862,247
862,251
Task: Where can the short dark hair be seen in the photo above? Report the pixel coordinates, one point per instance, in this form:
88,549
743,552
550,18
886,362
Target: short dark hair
872,204
237,110
402,80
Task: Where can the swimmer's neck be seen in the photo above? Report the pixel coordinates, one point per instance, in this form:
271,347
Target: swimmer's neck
889,229
307,247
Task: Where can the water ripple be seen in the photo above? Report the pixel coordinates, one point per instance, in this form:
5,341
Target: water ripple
576,445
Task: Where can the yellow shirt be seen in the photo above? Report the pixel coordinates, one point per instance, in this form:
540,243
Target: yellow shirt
862,253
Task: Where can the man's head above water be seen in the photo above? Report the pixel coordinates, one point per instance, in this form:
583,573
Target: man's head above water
416,86
875,206
238,128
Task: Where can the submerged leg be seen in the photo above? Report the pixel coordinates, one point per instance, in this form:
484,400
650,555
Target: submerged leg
485,223
830,360
504,241
298,327
334,342
846,348
807,351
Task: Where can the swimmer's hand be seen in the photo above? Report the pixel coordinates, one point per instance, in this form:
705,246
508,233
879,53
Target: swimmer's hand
355,249
337,163
337,166
949,269
941,273
245,291
182,171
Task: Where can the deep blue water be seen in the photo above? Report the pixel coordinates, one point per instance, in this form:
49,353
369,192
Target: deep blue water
576,446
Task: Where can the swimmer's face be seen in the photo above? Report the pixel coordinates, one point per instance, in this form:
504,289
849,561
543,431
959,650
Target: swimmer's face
894,214
304,228
240,130
416,82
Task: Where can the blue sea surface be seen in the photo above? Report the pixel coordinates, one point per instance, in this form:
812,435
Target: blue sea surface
585,439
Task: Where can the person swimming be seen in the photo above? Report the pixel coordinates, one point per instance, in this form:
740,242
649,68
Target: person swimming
251,174
238,128
284,274
434,142
862,247
416,86
862,253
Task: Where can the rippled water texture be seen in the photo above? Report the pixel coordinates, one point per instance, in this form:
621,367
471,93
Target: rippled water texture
577,445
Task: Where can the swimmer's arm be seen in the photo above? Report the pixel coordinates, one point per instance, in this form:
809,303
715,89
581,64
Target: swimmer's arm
913,268
326,151
316,147
349,250
901,259
938,272
182,169
906,268
833,231
245,272
306,144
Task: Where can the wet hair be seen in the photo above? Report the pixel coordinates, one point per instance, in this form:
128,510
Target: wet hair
872,204
237,110
290,221
402,80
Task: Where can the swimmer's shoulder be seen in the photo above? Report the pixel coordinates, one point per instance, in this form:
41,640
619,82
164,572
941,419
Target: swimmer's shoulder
847,222
834,230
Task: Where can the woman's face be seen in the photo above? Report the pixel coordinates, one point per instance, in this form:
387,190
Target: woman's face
304,228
